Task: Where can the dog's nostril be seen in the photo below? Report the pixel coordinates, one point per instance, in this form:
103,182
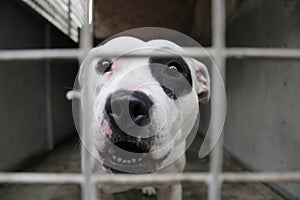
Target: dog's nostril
139,108
139,111
113,108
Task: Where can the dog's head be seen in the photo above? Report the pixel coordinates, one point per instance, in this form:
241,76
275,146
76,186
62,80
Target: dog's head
143,106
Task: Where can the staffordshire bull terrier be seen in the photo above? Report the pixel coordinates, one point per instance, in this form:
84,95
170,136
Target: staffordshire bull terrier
144,107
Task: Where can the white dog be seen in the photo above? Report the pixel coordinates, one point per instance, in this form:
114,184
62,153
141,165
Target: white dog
143,109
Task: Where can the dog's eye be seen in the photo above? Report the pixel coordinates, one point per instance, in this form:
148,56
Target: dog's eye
103,66
174,69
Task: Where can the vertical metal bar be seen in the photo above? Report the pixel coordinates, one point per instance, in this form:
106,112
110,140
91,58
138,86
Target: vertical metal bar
88,188
48,93
217,101
90,17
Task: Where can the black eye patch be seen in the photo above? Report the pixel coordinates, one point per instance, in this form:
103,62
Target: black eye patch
173,74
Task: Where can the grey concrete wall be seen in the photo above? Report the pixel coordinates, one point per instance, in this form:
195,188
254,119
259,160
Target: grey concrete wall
23,85
262,127
62,77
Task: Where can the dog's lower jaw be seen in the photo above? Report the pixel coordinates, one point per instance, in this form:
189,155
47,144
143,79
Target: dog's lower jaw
164,192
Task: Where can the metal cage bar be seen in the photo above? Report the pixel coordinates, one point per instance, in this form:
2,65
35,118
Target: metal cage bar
76,178
215,177
86,44
217,101
37,54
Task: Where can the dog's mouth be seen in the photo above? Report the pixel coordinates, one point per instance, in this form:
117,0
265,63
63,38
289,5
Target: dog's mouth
128,157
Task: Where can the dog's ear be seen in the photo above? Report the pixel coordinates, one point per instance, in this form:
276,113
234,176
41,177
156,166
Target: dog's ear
202,81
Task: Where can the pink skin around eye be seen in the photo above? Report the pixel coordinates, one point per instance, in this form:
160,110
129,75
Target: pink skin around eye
116,66
113,70
109,74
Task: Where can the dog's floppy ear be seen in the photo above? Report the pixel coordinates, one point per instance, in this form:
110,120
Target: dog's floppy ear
202,81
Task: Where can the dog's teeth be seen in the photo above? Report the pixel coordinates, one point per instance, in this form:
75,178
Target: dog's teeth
119,159
124,161
133,160
114,157
129,161
110,151
140,159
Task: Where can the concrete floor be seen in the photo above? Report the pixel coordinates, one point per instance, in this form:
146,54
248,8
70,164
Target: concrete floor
66,158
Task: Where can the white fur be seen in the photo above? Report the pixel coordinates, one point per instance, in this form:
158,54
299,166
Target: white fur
131,73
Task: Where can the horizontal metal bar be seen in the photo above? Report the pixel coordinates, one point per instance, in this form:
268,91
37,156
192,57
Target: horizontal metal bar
261,177
75,53
36,54
42,178
198,177
262,53
64,178
152,178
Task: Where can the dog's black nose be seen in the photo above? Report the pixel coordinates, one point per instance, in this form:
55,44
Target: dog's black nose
124,104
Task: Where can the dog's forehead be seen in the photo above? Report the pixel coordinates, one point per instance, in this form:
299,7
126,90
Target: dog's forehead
165,44
127,44
122,44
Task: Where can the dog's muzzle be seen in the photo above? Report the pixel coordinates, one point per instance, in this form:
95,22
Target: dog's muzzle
128,114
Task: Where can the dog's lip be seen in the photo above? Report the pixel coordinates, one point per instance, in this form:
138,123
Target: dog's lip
122,168
143,163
